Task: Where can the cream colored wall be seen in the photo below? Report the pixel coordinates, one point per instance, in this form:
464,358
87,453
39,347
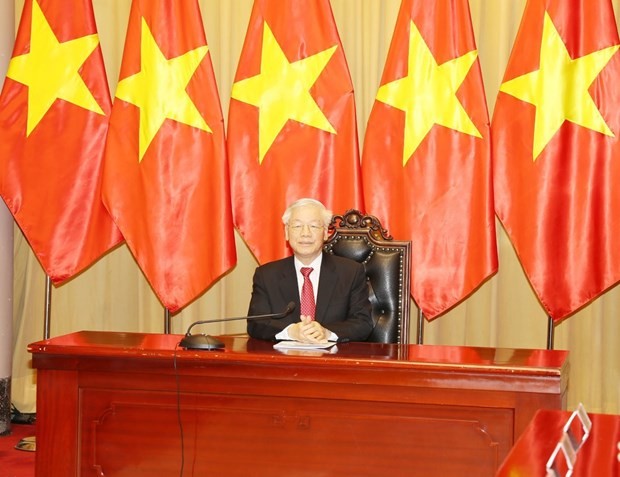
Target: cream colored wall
113,294
6,246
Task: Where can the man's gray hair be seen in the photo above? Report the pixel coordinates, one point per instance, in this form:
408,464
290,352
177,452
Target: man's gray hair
325,212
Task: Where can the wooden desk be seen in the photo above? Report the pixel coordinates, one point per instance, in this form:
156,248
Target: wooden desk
109,404
597,456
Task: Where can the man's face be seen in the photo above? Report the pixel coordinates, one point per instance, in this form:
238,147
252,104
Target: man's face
306,232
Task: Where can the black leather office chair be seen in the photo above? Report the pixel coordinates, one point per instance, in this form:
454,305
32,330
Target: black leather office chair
387,261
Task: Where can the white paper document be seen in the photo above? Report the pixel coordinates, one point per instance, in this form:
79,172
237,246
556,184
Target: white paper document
299,345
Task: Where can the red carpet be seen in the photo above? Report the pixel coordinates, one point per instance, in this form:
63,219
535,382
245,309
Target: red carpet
13,462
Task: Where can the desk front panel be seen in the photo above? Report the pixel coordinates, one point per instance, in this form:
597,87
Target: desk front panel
137,433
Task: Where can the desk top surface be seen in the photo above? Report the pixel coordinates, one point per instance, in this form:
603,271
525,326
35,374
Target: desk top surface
243,349
596,457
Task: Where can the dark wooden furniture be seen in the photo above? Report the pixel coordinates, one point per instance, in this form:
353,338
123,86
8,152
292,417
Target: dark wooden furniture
388,267
111,404
596,457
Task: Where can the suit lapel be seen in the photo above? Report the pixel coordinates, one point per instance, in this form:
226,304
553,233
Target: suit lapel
288,283
327,282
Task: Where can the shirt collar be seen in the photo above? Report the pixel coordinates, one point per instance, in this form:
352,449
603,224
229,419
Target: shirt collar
315,264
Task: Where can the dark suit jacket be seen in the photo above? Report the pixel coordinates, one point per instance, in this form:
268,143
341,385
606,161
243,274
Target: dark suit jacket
342,304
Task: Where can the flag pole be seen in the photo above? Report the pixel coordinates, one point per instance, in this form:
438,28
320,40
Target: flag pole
48,307
550,330
166,321
420,327
30,443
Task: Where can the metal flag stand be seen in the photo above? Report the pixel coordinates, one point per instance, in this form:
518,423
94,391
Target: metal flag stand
30,443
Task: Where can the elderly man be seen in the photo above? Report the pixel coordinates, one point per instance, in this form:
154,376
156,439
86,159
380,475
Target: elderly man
331,292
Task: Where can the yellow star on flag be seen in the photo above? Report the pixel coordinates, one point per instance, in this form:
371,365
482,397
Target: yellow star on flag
159,89
281,91
559,88
427,94
51,70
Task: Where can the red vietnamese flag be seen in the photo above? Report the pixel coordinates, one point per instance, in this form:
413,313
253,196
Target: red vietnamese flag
165,176
556,151
54,112
291,125
426,161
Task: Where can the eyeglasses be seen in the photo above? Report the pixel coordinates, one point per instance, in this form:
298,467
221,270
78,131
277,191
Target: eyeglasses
314,228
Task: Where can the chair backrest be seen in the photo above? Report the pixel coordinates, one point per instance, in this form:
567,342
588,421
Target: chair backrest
387,262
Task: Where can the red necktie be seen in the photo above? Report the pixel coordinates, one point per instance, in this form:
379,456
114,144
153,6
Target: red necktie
307,294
